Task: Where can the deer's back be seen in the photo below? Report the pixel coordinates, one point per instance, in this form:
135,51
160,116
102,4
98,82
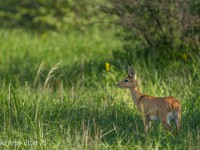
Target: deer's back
154,105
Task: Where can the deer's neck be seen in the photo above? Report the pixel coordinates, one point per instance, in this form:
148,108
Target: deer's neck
136,94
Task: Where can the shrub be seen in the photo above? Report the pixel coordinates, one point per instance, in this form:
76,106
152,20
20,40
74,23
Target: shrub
158,29
49,15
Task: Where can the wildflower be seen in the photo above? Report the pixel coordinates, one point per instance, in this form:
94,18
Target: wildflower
44,36
185,57
107,66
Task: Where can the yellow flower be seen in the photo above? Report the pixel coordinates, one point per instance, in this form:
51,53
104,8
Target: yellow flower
184,56
44,36
107,66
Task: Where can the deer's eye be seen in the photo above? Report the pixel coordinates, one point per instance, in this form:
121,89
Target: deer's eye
125,80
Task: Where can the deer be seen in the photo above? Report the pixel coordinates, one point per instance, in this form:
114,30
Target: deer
165,109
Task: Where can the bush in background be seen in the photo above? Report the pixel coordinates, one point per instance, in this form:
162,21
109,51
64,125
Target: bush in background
59,15
157,29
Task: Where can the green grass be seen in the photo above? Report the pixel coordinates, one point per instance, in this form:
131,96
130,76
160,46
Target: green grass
76,105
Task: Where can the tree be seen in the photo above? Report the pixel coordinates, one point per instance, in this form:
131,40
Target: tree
158,29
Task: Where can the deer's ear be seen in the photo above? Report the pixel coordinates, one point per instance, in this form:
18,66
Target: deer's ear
130,72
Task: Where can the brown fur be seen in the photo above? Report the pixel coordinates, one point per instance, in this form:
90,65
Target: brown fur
150,107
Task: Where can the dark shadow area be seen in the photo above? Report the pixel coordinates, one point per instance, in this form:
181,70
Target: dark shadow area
24,69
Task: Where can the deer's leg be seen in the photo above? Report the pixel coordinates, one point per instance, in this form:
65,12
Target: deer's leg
178,126
177,119
165,122
166,125
177,122
149,125
146,123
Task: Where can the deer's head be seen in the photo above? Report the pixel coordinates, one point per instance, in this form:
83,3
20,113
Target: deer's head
130,81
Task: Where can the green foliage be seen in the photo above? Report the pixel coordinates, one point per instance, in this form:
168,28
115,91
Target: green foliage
194,6
195,11
157,29
40,15
162,30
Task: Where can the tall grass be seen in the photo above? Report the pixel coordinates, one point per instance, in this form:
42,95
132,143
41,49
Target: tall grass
90,112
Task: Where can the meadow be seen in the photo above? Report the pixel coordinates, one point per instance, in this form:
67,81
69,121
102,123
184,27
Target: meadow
55,93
